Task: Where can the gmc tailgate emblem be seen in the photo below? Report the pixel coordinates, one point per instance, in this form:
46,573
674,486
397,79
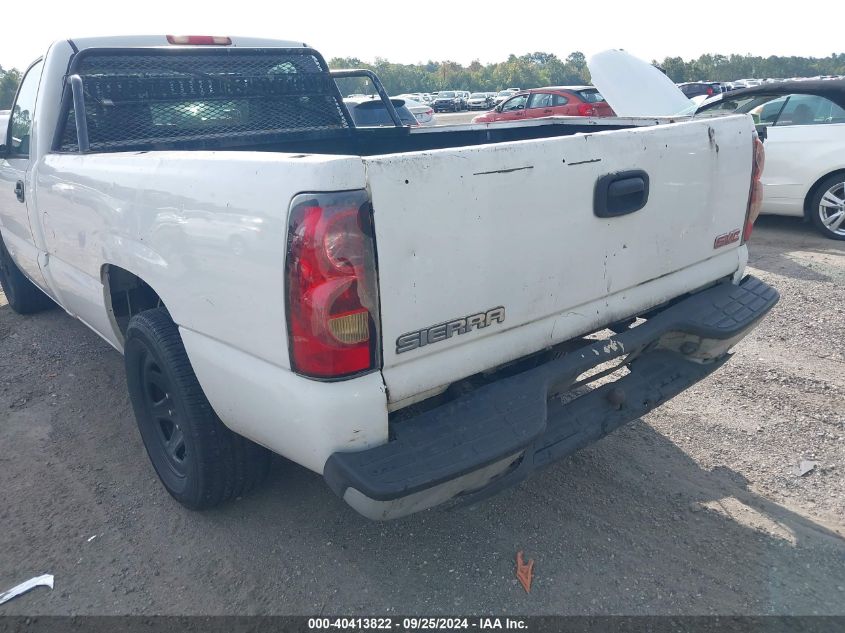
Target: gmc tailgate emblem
726,238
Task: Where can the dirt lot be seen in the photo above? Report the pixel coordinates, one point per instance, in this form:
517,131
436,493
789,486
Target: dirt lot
694,509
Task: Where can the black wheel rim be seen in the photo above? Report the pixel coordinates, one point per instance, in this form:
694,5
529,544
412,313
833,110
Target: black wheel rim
163,414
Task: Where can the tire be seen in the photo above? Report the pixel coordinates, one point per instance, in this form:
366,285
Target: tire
198,459
827,207
24,297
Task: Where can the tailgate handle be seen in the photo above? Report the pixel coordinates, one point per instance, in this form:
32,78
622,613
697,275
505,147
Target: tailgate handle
620,193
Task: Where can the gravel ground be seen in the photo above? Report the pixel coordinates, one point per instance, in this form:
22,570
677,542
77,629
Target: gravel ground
695,509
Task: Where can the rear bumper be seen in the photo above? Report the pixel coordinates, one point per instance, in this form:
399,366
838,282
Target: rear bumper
498,434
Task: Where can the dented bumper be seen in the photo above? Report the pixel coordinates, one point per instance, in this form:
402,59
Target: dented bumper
498,434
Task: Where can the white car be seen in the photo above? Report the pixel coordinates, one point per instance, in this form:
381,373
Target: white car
479,101
805,147
802,122
504,95
423,113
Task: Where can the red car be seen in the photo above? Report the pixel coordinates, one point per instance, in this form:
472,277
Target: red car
551,101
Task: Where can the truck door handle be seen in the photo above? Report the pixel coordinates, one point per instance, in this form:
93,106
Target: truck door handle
620,193
19,191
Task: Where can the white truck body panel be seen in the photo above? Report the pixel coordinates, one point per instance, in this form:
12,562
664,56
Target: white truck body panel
206,229
504,225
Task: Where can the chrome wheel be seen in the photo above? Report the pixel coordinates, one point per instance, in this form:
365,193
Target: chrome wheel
832,209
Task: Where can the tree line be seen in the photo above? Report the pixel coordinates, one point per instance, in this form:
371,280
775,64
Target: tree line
541,69
547,69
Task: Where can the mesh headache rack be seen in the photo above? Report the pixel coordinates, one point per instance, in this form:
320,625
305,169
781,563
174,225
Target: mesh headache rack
165,98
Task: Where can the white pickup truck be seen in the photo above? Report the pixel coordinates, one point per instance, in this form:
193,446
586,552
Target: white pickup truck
403,310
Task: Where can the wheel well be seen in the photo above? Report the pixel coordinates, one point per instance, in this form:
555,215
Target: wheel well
815,187
126,295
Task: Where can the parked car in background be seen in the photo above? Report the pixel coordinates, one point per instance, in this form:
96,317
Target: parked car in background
4,119
448,101
479,101
423,113
700,88
370,112
804,124
550,101
504,95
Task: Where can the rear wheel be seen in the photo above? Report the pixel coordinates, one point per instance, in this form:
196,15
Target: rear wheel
198,459
23,296
827,207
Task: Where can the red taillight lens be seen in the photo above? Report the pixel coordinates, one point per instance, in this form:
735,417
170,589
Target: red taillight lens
755,193
332,291
200,40
586,109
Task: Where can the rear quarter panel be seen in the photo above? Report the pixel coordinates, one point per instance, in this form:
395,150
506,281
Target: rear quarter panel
206,230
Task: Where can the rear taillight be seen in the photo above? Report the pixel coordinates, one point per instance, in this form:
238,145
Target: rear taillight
586,109
332,290
755,192
200,40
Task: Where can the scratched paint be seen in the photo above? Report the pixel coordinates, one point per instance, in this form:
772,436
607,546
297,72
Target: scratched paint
474,227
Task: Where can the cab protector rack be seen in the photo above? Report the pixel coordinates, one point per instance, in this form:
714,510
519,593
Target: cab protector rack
128,99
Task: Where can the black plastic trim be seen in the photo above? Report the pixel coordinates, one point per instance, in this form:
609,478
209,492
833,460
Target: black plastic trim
516,414
620,193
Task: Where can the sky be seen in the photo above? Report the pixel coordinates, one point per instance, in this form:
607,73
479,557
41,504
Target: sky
457,30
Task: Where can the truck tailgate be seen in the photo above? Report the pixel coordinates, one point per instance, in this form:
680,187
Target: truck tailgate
465,231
